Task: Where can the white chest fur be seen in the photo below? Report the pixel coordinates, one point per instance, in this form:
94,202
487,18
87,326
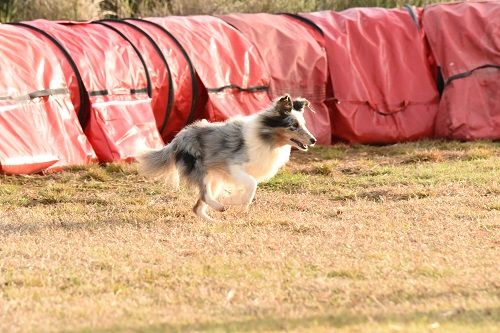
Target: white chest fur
263,162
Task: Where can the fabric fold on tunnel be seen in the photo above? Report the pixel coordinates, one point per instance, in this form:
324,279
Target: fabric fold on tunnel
295,61
111,70
231,72
187,103
383,83
40,130
465,42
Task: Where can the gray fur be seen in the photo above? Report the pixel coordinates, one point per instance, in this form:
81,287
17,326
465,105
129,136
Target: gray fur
154,163
205,146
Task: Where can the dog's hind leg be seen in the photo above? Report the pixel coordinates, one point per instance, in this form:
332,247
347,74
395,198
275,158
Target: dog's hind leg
173,179
249,184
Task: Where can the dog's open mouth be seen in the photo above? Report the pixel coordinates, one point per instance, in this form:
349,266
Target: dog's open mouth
299,144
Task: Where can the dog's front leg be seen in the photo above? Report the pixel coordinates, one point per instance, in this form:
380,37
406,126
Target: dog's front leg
247,182
236,197
206,196
215,189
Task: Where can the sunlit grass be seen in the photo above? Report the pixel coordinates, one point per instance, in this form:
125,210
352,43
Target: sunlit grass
345,238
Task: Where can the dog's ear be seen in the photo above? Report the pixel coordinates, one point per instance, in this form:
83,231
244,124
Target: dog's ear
284,104
300,103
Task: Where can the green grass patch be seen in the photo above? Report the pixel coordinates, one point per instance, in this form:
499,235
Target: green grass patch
287,181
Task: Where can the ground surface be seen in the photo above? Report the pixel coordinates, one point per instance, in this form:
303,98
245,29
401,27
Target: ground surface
360,239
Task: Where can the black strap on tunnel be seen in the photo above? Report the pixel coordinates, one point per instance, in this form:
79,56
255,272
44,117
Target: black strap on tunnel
36,94
234,86
83,115
139,91
194,83
141,58
99,92
47,92
105,92
413,15
469,73
171,89
305,20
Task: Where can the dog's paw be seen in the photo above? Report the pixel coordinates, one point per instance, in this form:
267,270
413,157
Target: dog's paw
204,216
221,209
207,218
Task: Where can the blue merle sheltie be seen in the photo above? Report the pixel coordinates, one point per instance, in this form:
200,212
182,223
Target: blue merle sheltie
234,155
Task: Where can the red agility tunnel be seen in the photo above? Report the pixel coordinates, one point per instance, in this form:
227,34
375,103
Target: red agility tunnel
158,69
117,116
188,101
228,65
295,60
39,127
465,41
176,102
382,80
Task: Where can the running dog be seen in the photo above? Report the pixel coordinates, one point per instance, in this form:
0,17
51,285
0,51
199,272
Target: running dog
237,154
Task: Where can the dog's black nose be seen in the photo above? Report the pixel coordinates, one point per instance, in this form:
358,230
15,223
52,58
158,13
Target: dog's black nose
313,141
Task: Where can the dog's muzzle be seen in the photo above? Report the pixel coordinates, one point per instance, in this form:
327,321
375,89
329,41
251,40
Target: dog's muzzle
300,145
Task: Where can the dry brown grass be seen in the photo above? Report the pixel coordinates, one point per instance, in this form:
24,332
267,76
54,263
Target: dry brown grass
401,238
14,10
17,10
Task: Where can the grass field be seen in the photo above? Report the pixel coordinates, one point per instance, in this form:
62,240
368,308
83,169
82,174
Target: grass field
401,238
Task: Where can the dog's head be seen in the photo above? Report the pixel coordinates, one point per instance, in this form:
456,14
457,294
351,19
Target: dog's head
286,124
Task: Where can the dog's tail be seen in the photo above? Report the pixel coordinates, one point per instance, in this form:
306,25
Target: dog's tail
157,162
